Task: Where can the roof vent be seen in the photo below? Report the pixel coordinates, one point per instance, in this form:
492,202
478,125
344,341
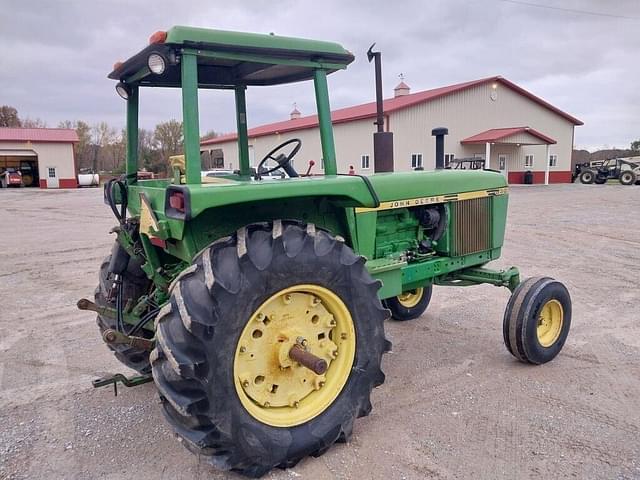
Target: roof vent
295,113
402,88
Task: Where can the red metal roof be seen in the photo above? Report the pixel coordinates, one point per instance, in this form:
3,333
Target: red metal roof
497,134
9,134
368,110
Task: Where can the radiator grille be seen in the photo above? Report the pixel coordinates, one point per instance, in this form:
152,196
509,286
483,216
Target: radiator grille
471,226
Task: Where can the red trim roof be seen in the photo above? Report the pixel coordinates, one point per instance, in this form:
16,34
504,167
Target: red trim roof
9,134
497,134
368,110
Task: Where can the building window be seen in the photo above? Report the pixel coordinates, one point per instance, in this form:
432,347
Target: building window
364,161
52,172
528,161
218,162
553,160
448,158
416,160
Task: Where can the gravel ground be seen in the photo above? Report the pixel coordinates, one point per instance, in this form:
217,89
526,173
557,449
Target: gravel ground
455,403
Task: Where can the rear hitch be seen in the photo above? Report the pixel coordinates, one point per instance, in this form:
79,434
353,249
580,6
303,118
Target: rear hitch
126,381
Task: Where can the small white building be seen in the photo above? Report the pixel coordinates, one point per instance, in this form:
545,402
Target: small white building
491,118
44,156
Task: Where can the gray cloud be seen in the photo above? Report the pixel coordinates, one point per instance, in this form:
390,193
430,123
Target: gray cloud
57,55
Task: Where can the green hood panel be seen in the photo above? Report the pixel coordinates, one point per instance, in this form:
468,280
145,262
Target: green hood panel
403,185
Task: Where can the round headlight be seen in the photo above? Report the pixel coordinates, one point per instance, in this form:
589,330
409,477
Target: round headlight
122,90
156,63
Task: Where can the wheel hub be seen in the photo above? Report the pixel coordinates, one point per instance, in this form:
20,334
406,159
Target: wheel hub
550,323
410,298
274,387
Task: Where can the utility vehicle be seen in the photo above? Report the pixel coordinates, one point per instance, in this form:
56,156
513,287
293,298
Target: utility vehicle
599,171
258,306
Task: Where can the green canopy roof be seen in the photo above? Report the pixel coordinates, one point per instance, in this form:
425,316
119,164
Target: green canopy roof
226,59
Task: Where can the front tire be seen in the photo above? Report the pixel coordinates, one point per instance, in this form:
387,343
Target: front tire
409,305
537,320
228,317
587,177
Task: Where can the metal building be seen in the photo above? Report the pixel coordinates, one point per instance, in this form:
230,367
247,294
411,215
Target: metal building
491,118
44,157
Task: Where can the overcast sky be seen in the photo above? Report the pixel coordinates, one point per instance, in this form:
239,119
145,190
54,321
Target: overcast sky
57,54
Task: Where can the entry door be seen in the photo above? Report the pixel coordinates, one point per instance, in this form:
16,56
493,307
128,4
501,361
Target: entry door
502,164
52,177
252,156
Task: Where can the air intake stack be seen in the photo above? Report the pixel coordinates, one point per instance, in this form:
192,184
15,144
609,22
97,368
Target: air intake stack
439,133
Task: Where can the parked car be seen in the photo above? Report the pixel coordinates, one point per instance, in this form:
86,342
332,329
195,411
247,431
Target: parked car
11,178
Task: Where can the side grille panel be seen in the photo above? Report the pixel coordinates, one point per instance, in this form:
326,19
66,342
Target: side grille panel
471,226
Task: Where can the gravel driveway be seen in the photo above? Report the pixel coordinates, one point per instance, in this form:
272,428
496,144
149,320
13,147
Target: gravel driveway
455,403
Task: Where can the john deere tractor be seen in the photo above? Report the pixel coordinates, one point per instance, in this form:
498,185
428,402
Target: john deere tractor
257,307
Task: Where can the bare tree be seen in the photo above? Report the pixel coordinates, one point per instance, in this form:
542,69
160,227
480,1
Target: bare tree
103,135
209,135
169,138
34,123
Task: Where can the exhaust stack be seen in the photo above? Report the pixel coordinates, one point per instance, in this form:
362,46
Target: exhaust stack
439,133
382,141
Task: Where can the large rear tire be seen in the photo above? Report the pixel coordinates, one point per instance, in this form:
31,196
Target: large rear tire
135,284
229,316
627,177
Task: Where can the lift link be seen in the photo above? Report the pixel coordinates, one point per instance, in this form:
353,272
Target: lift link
85,304
299,354
113,337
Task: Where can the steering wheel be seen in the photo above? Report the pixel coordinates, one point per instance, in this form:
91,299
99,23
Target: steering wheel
282,160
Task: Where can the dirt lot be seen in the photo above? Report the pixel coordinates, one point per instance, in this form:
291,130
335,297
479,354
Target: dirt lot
455,403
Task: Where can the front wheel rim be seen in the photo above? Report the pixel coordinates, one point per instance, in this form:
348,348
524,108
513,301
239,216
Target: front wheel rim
273,388
550,321
410,298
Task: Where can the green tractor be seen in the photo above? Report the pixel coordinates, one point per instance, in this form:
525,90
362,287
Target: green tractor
257,307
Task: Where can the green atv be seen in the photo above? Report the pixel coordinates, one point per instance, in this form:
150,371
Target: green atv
258,307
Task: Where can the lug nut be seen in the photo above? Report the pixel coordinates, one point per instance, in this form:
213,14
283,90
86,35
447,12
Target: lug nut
243,349
245,384
287,298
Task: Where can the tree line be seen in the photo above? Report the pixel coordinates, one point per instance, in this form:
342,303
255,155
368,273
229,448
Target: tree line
102,147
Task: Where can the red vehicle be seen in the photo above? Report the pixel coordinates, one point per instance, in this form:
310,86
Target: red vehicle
11,178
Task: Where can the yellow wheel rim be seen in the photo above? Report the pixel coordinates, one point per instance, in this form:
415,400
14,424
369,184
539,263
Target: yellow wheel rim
550,323
410,298
272,387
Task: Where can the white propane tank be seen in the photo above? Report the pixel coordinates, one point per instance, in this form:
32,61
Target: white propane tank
88,180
